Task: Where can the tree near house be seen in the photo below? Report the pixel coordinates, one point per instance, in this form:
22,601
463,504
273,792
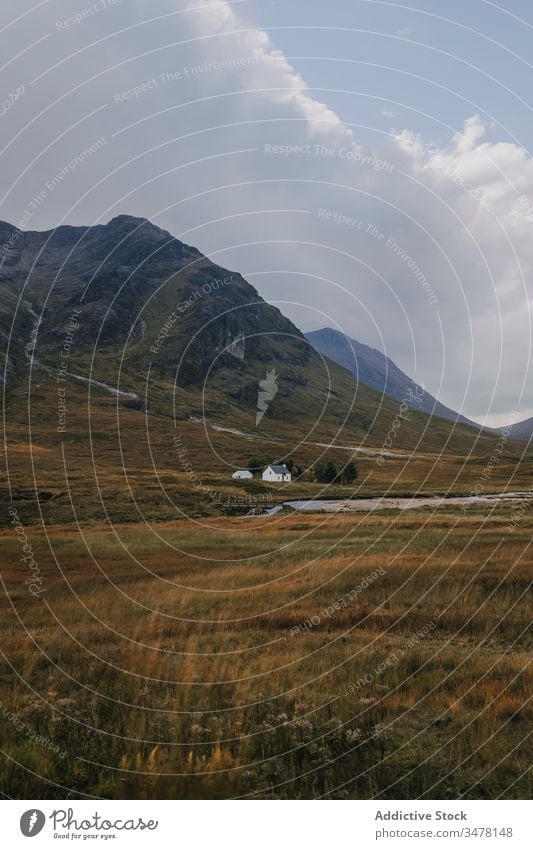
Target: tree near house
257,466
349,473
296,471
330,472
326,472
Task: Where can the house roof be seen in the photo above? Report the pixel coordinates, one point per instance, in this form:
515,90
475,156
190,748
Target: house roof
279,470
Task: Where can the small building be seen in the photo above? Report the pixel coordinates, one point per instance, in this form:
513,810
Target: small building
277,474
242,475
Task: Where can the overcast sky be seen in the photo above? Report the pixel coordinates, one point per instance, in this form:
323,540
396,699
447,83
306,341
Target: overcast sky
364,164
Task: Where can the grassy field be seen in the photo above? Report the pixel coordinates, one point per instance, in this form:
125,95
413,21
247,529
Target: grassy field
156,646
297,656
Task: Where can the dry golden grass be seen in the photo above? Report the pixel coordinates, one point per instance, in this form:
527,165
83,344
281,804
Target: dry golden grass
167,661
169,655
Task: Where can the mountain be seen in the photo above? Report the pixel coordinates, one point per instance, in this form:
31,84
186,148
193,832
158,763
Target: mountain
371,367
141,295
127,309
522,430
135,369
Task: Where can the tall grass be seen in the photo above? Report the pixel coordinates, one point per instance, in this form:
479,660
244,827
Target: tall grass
185,669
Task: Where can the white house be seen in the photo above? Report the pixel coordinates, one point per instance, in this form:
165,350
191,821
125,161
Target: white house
279,474
242,475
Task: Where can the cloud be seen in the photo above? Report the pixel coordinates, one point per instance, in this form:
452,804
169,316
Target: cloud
272,71
214,134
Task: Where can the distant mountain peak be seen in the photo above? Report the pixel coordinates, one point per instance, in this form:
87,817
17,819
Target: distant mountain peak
375,369
127,219
132,223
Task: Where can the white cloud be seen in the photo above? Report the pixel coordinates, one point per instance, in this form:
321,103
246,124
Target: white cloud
191,151
273,70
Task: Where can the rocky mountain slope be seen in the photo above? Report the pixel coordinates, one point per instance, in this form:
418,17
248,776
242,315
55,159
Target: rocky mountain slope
374,369
129,309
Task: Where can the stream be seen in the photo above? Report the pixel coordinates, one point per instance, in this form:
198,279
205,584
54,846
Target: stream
29,350
360,505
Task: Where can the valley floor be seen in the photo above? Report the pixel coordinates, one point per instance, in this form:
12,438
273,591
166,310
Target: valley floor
301,655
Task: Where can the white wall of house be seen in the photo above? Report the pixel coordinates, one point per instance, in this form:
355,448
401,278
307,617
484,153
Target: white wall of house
273,476
242,475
